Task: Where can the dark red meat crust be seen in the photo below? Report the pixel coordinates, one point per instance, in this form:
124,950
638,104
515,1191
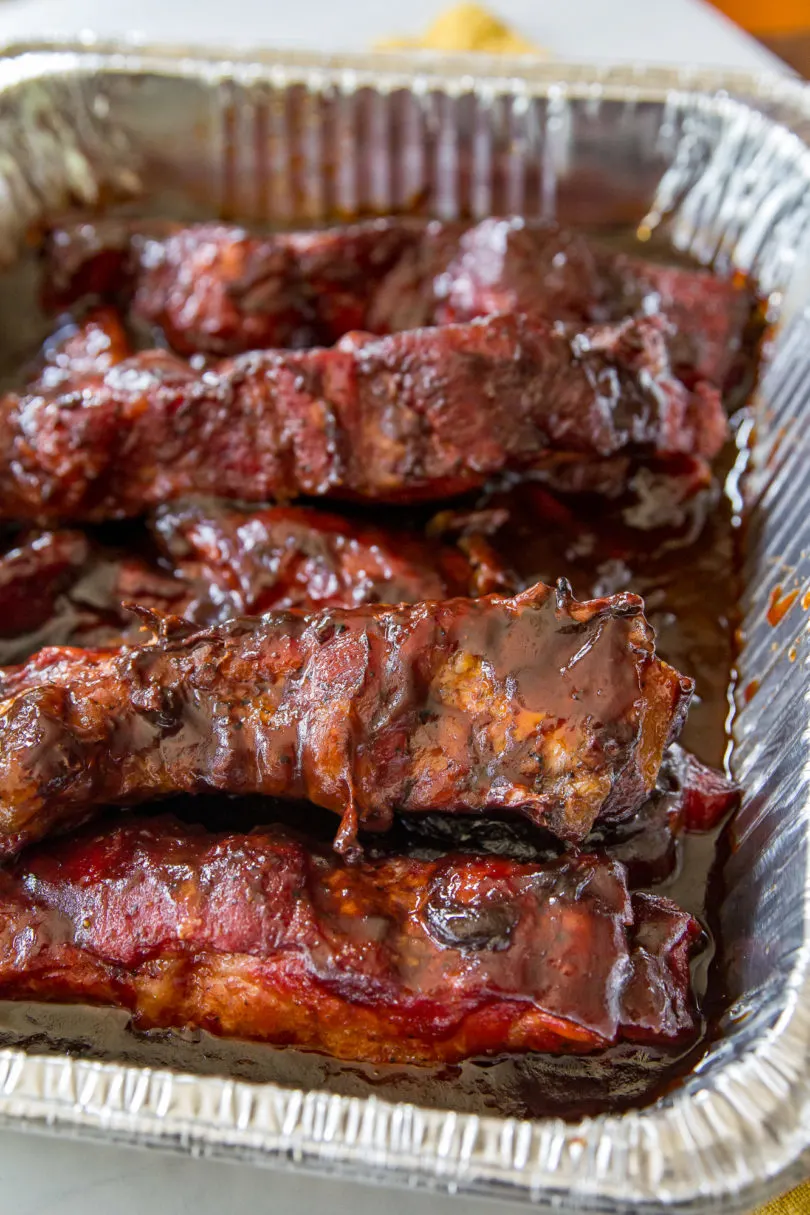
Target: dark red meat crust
59,588
33,572
688,796
540,269
709,316
211,289
413,416
259,936
458,272
79,354
706,794
537,705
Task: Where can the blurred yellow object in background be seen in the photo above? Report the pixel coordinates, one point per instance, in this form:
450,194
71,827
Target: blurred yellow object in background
465,27
797,1203
767,16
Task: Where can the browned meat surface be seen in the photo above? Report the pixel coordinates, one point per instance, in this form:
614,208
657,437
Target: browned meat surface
688,797
458,272
707,795
33,573
261,936
94,260
221,560
537,705
414,416
708,316
61,588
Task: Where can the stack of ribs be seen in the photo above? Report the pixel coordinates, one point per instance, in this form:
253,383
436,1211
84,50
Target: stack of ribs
250,646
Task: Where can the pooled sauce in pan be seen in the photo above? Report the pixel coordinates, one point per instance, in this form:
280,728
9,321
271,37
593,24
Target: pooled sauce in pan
679,551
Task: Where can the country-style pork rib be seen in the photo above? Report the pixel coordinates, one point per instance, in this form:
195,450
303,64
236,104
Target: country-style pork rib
540,269
261,936
80,353
536,705
414,416
248,561
61,588
217,289
219,560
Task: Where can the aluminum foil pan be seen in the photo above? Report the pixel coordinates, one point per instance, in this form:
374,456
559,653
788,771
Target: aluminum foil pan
721,163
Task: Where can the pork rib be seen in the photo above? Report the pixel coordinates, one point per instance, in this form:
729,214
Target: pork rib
688,797
60,588
80,353
34,571
260,936
251,561
410,417
215,289
537,705
540,269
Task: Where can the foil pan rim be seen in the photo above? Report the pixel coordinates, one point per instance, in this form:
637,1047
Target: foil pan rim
754,1113
460,72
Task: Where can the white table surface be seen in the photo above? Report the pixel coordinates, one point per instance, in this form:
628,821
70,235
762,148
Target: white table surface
41,1176
682,31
